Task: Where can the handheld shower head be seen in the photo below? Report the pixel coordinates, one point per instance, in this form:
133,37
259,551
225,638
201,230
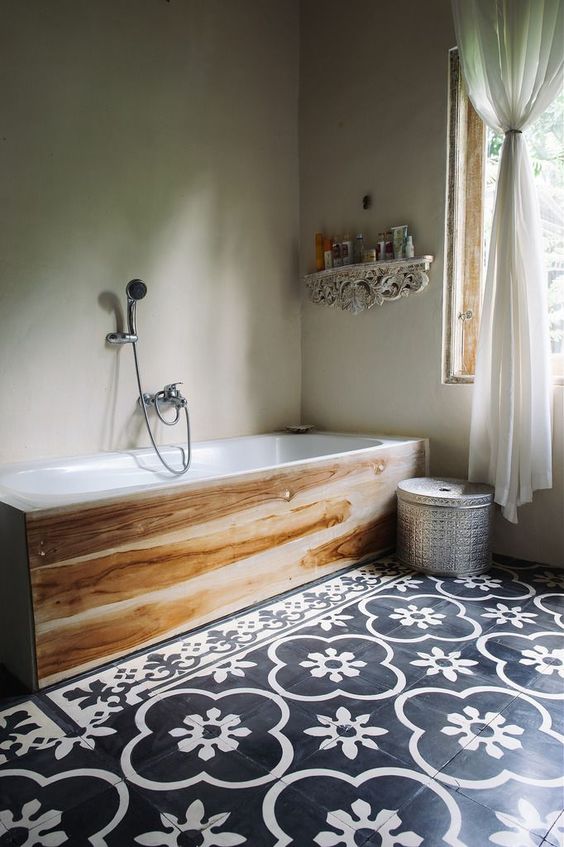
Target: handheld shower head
135,290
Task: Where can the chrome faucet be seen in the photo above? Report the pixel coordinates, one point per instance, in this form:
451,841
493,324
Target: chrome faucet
169,395
173,396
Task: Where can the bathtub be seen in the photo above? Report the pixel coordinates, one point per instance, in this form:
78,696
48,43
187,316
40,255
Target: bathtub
108,554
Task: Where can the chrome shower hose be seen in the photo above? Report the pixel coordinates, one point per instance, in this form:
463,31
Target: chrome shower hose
186,454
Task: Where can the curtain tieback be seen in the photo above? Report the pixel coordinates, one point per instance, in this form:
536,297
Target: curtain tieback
520,131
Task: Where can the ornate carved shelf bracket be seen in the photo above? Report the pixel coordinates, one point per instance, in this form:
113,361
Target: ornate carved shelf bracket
356,288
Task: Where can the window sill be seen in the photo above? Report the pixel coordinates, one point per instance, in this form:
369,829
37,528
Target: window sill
557,379
458,380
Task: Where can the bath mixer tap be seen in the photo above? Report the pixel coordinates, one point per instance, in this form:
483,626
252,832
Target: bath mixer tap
174,396
169,395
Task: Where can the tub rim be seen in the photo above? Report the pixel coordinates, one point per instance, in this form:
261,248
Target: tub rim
178,485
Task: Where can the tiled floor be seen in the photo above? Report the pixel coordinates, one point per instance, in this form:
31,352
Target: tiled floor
374,708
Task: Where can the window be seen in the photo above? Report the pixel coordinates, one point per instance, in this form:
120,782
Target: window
473,158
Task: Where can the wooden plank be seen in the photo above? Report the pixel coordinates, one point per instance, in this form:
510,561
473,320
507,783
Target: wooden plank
55,535
117,576
141,570
119,630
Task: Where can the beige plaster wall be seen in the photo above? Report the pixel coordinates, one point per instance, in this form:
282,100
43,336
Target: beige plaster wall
373,117
153,139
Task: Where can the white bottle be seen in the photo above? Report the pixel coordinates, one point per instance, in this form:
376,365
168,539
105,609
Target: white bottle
409,249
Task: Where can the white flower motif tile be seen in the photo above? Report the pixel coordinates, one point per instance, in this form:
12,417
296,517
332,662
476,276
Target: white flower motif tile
503,614
449,665
500,583
476,721
194,820
377,707
551,579
528,823
540,652
345,730
43,826
418,618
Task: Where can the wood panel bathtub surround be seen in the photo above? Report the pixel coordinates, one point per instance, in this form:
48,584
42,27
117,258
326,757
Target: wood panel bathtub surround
141,570
116,576
136,624
54,535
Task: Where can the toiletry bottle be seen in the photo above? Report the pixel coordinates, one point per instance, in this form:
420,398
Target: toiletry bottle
358,253
319,260
327,254
382,247
336,250
409,248
389,246
347,249
399,238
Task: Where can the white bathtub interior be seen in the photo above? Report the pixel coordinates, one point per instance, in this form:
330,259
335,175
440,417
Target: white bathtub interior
59,482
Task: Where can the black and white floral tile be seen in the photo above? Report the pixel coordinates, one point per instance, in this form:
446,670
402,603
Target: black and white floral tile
377,707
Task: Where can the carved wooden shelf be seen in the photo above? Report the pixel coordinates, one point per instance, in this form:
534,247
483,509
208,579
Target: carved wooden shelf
356,288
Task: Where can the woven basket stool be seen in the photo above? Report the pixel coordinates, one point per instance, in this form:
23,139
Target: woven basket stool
444,526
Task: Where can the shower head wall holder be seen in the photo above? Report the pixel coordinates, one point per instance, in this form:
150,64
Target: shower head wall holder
135,290
121,338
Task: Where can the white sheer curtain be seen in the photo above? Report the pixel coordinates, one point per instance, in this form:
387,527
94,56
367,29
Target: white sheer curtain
512,57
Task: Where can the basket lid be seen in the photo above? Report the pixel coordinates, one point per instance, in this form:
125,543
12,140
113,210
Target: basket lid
443,491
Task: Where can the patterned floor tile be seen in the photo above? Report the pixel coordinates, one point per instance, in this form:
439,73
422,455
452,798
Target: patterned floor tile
210,738
307,668
470,824
549,608
35,793
114,818
419,618
450,666
343,734
28,728
499,583
376,707
215,815
555,835
367,803
507,778
527,661
522,809
547,578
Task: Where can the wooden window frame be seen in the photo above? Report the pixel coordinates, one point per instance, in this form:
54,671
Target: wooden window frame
464,265
464,230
